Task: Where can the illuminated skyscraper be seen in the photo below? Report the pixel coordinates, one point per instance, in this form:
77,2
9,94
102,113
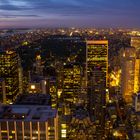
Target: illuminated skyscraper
51,85
135,42
10,73
137,76
38,65
71,86
2,91
128,57
97,74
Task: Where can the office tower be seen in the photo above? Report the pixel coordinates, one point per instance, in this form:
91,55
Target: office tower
97,74
20,71
135,116
2,91
28,122
136,102
135,42
137,76
10,73
114,83
127,57
71,86
38,65
51,85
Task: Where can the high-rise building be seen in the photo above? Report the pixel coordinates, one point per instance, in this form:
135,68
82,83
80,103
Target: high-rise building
97,56
137,76
97,75
20,71
10,73
71,85
2,91
135,116
38,65
51,85
127,57
135,42
136,102
28,122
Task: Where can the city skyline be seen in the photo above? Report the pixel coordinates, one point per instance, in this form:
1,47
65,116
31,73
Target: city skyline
61,13
70,83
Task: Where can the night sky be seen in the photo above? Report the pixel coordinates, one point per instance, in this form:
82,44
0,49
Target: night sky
69,13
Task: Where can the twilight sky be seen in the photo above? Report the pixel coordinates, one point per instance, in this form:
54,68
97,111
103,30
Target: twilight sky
78,13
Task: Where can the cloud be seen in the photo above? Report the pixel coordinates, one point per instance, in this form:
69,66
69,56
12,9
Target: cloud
72,10
21,16
73,7
14,5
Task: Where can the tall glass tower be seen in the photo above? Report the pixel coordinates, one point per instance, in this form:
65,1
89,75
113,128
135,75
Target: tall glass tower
9,72
97,75
71,86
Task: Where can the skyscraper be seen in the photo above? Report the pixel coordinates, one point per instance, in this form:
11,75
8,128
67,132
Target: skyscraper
71,85
135,42
38,65
51,84
97,74
137,76
128,57
2,91
10,73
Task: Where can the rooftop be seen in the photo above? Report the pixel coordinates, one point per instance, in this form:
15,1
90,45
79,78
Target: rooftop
26,113
33,99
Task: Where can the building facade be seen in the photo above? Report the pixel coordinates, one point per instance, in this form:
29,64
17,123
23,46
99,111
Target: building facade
71,86
28,122
9,71
127,57
97,75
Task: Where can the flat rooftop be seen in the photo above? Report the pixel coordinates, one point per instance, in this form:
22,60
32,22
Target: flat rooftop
33,99
26,113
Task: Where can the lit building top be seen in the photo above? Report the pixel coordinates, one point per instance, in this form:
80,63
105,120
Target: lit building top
90,42
97,56
38,57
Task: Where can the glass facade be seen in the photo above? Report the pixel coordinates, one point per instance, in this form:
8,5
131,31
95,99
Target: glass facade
9,72
97,75
71,85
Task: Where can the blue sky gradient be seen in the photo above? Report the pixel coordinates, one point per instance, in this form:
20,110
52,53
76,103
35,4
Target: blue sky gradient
78,13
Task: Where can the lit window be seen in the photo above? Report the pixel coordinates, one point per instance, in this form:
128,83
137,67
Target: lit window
32,86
